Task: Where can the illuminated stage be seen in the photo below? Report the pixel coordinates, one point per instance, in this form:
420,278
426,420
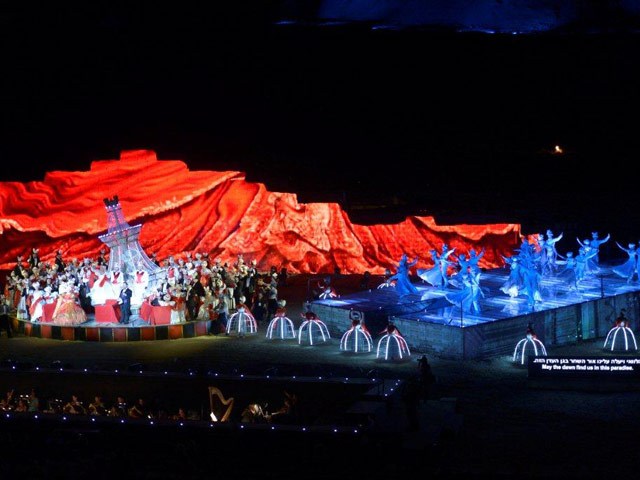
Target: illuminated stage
431,324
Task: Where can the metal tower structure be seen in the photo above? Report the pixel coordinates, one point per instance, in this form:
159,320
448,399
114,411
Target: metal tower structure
126,253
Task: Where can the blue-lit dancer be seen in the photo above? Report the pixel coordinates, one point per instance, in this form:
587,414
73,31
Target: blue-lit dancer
403,283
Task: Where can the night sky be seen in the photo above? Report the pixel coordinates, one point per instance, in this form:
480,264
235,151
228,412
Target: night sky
459,126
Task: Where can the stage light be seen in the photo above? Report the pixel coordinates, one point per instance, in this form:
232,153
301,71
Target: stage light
136,367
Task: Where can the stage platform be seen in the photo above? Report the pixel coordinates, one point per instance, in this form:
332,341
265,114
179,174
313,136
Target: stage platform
431,324
92,331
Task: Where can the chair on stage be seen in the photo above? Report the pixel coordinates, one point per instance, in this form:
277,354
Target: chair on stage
160,315
145,310
108,313
47,312
220,407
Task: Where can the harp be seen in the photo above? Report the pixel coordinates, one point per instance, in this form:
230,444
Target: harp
220,407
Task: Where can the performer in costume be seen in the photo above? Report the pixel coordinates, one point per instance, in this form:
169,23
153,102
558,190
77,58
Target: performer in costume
125,303
474,260
34,258
68,311
23,309
311,325
595,244
328,293
438,275
178,309
116,277
403,283
59,261
530,345
628,269
552,252
387,282
281,326
468,298
36,303
140,283
357,338
621,336
102,289
392,345
242,322
568,272
463,267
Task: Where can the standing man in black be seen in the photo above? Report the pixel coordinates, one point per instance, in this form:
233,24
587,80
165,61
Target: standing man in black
125,303
5,322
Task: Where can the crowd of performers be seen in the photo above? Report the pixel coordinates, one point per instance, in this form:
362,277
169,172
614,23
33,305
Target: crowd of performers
66,292
539,259
536,258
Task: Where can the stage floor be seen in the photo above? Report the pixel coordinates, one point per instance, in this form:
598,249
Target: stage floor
430,304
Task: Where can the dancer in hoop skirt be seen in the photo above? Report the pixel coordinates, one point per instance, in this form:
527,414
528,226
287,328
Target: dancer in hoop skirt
68,311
